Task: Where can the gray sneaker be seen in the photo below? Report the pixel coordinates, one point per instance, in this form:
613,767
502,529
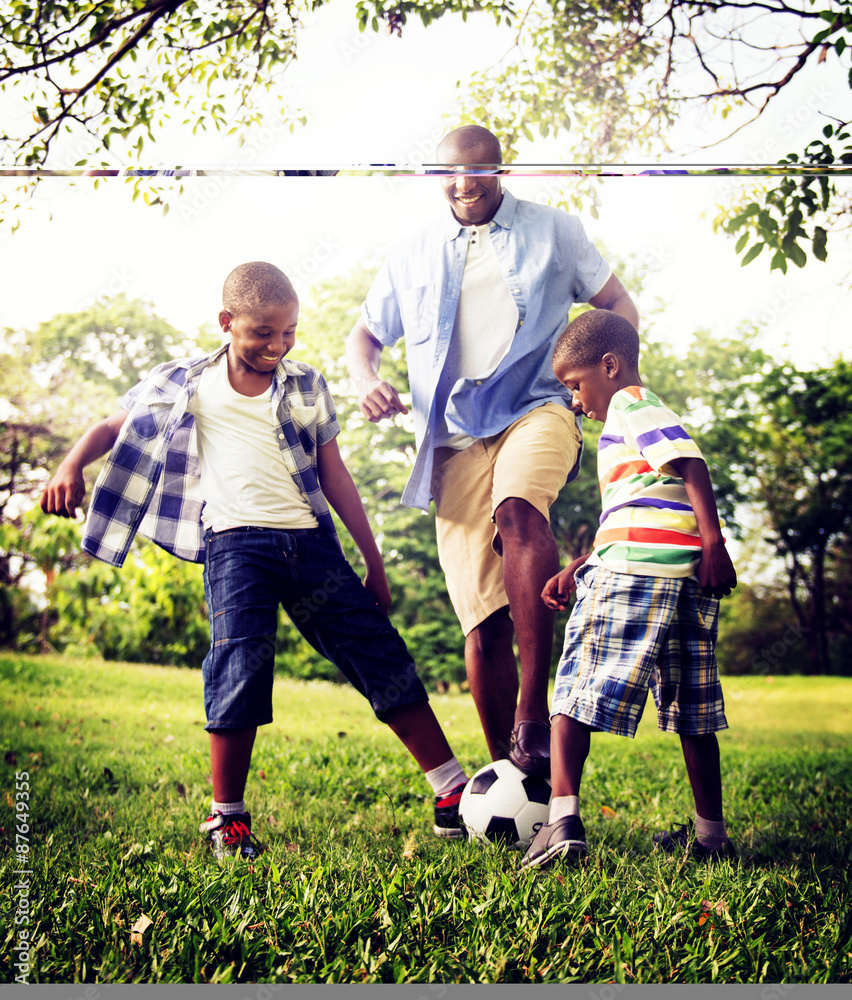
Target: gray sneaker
566,838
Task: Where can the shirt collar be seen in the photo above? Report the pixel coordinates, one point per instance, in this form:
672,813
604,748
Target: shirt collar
285,368
502,217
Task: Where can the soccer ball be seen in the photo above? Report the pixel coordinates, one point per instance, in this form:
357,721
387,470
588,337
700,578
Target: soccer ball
503,805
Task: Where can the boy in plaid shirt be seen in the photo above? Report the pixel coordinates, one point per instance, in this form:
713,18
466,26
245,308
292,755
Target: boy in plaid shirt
232,460
647,594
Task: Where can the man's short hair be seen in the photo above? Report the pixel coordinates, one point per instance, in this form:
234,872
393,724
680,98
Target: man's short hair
593,334
254,286
467,137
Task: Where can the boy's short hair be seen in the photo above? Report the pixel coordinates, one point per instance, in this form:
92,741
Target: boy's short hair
253,286
593,334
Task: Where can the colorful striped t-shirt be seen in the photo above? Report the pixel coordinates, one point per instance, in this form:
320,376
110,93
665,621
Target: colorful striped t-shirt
648,526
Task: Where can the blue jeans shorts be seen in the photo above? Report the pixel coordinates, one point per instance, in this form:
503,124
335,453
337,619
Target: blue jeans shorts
628,634
248,572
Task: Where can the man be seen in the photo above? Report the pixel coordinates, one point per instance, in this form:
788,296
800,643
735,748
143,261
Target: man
481,297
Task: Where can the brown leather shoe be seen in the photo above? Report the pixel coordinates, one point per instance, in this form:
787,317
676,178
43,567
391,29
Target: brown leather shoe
529,747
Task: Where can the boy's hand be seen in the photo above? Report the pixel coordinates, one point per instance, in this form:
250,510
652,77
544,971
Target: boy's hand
376,584
66,489
64,493
716,573
559,588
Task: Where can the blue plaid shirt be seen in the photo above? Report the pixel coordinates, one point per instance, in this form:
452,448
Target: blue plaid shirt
151,481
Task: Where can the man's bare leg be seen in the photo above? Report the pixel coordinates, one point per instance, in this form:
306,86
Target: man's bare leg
530,559
492,673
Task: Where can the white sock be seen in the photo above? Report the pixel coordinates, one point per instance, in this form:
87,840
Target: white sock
445,778
228,808
711,835
564,805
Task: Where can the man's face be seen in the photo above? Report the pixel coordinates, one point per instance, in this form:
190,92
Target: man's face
474,197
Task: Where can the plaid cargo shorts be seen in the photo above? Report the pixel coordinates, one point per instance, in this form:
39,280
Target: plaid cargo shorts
627,634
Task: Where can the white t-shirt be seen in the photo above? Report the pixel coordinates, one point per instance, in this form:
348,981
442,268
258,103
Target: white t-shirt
486,320
244,478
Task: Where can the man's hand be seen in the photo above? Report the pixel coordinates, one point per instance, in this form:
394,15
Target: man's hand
378,399
64,493
716,573
558,589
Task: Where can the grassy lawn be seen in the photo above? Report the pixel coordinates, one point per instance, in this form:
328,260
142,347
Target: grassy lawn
354,887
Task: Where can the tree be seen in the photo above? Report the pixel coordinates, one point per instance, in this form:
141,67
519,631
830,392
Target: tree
101,71
30,443
96,75
615,79
612,79
54,383
114,342
782,444
796,212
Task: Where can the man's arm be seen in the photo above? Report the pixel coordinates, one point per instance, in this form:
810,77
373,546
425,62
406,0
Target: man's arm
716,572
615,297
340,491
376,398
65,491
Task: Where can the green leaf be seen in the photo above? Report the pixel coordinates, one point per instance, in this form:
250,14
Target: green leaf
753,252
779,262
741,242
819,243
797,255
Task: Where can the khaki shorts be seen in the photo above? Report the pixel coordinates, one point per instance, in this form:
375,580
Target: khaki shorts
531,460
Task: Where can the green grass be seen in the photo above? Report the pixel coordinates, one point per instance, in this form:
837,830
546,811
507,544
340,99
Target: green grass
354,888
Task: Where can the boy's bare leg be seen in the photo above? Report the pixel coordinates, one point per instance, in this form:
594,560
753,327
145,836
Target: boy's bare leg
530,559
563,835
492,673
420,733
569,747
230,758
701,754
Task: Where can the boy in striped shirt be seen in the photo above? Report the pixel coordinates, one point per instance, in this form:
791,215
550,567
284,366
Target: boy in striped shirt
648,594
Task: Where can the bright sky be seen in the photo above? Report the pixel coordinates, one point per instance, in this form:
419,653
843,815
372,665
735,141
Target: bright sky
374,99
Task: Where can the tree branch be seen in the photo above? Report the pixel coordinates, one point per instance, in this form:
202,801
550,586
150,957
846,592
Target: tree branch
95,42
164,9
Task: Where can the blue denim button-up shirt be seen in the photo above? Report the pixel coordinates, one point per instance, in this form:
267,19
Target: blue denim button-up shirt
548,264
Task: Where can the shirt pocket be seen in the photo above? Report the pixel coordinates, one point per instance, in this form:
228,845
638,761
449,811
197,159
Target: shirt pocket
303,417
419,311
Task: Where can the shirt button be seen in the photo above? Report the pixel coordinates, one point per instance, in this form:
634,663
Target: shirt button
280,437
